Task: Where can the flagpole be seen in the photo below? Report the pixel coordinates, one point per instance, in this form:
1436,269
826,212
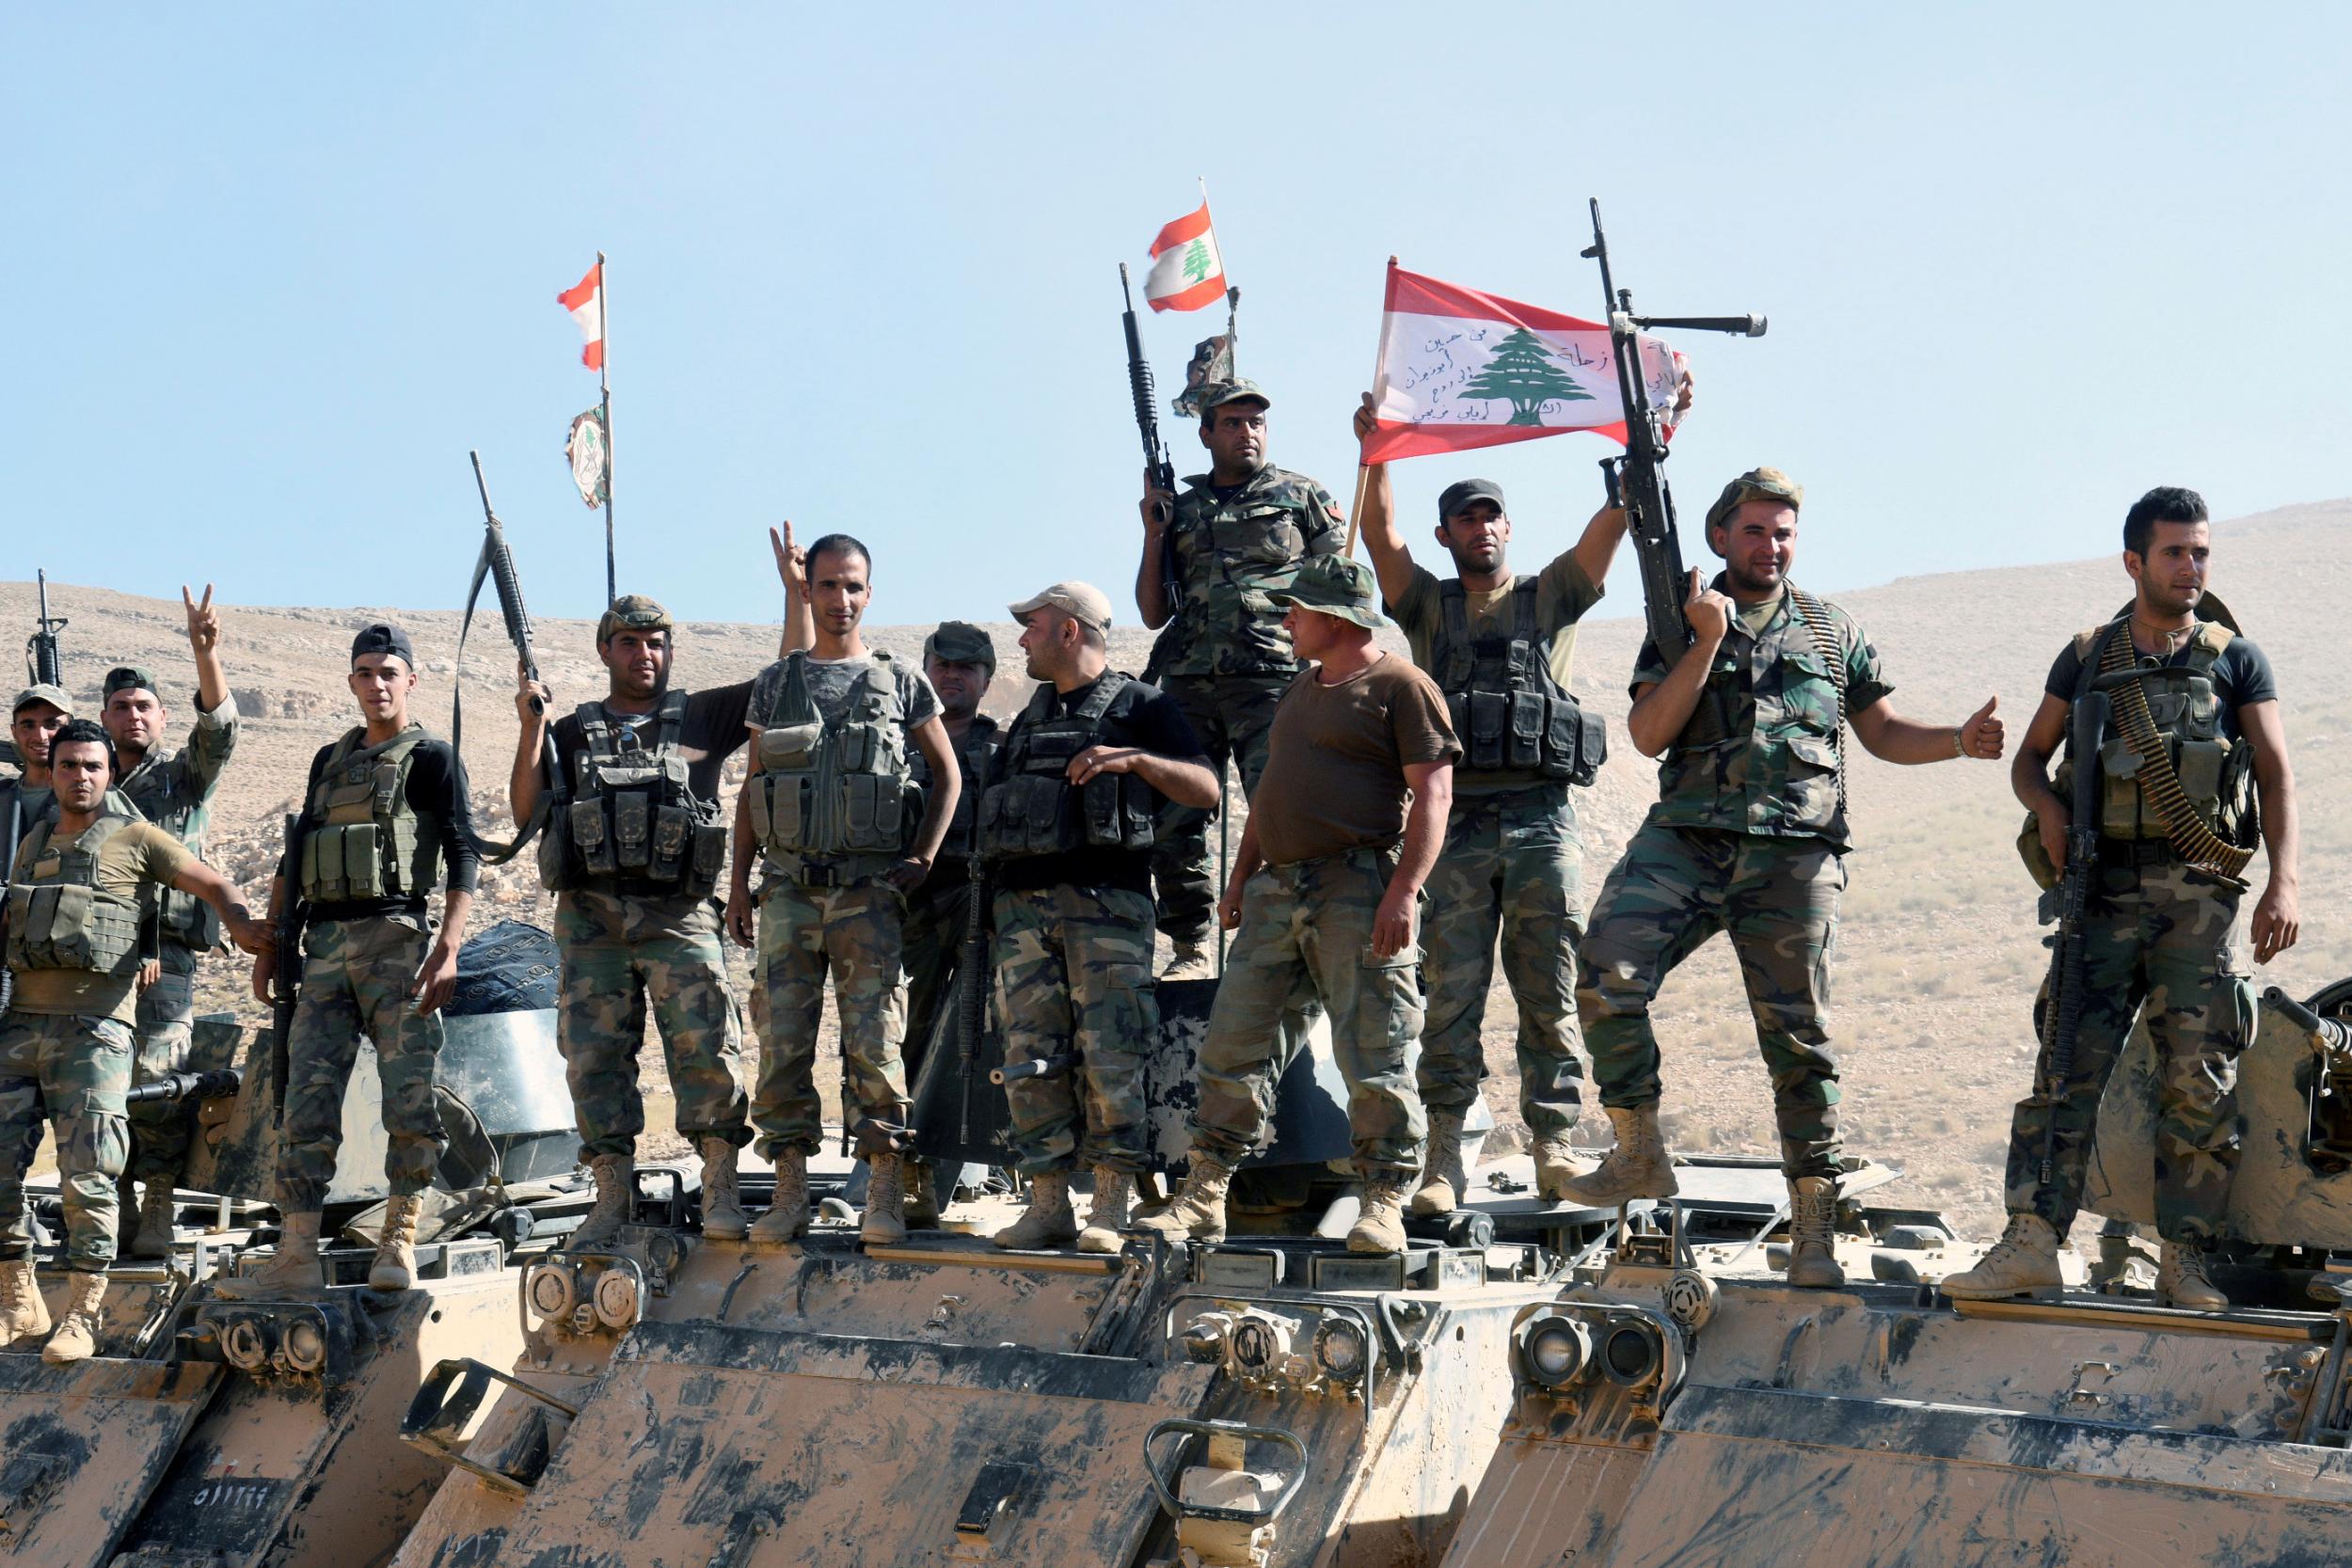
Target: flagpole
604,414
1364,469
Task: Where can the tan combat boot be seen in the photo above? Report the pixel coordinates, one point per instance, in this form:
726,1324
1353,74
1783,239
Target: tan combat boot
158,1209
395,1265
722,1204
1639,1167
1114,1194
1198,1210
1047,1222
293,1273
1557,1163
2023,1262
2182,1280
76,1339
787,1212
22,1314
1443,1183
886,1220
1380,1225
1813,1233
615,1205
922,1194
1190,961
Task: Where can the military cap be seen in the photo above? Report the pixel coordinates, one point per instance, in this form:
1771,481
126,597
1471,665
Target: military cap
1335,585
962,642
384,638
1081,601
636,611
131,677
1218,393
1463,491
1755,484
53,695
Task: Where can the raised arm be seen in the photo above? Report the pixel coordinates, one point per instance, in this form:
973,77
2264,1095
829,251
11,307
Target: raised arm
1391,558
1661,710
799,616
1159,514
528,774
212,680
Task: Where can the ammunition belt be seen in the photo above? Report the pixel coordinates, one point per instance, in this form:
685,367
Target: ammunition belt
2188,834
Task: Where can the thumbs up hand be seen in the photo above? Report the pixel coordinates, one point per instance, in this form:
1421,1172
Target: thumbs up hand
1981,735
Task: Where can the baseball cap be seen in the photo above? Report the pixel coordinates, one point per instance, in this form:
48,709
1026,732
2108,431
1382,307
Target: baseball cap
1219,393
131,677
962,642
384,638
636,612
43,692
1463,491
1080,600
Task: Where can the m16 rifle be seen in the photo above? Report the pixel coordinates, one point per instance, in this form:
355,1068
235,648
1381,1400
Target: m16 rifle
1156,460
42,661
497,565
1637,480
2063,1016
285,982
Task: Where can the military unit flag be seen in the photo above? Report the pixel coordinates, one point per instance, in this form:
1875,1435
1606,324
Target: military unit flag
585,301
1460,369
1186,271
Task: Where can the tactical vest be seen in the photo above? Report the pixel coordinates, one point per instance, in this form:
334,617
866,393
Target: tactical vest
2215,772
1233,556
60,918
154,788
365,840
633,819
835,789
1514,720
1036,809
974,759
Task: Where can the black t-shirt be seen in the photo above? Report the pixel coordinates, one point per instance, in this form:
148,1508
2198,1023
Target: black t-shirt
711,733
437,789
1141,715
2242,675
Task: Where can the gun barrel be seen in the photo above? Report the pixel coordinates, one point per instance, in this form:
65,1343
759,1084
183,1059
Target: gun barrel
1742,326
217,1083
1044,1067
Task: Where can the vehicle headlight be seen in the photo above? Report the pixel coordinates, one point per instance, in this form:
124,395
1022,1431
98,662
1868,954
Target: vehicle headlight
1556,1351
1340,1350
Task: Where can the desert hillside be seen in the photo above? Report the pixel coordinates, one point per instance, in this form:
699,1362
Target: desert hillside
1939,953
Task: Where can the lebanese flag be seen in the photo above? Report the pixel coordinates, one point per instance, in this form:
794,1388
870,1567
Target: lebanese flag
1461,370
585,301
1186,271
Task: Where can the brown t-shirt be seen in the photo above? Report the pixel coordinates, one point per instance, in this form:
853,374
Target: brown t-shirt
139,854
1335,759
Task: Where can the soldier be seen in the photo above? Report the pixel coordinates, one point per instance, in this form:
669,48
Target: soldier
1499,647
1065,830
40,712
1748,837
385,816
65,1044
173,790
1240,532
2160,926
1325,892
634,849
828,801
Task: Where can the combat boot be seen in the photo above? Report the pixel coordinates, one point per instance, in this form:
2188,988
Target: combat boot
922,1194
1198,1210
1639,1167
787,1212
1047,1222
1190,961
1557,1163
1380,1224
293,1273
2182,1280
886,1220
76,1339
1813,1233
1443,1183
615,1205
1114,1193
723,1205
157,1211
395,1265
23,1313
2023,1262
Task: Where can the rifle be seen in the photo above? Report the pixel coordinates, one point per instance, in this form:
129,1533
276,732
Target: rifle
11,836
1636,480
2062,1019
970,999
1156,458
497,563
285,986
218,1083
41,659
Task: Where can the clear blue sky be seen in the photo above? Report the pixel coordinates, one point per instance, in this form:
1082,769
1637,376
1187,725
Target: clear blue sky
274,269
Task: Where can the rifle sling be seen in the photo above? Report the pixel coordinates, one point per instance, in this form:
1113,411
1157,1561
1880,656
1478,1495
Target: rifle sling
490,849
2192,839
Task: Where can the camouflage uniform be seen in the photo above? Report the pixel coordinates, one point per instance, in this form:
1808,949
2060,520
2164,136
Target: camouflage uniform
76,1072
940,909
1747,837
356,978
1072,970
1230,660
851,930
175,791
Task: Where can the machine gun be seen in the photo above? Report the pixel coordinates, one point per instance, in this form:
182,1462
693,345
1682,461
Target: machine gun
1637,480
497,563
972,998
42,661
219,1084
1156,458
2062,1019
285,981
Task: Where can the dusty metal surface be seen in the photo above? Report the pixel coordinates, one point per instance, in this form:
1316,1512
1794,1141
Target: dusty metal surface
82,1446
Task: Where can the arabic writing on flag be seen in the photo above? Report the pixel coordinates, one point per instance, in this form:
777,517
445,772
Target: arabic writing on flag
1460,369
1186,271
585,301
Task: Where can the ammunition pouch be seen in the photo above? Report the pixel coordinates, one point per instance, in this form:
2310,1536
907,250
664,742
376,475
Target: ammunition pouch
631,818
1036,809
974,759
58,918
365,841
1510,716
835,789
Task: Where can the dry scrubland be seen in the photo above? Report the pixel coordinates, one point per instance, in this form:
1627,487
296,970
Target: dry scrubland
1939,953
